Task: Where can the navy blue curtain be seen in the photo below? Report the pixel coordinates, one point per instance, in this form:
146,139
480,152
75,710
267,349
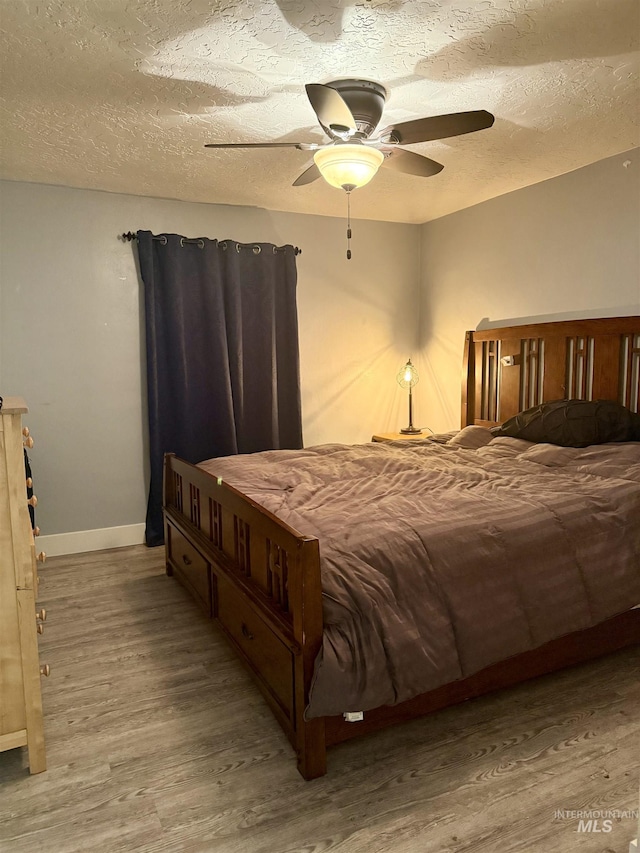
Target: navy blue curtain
222,352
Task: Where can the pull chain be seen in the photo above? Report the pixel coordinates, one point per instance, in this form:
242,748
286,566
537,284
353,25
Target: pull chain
348,225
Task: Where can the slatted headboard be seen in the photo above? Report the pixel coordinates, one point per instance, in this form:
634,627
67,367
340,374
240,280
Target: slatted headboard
511,369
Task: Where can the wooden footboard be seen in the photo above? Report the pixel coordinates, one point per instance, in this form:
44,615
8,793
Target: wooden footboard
260,580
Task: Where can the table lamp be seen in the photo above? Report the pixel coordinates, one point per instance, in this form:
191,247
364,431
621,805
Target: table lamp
407,378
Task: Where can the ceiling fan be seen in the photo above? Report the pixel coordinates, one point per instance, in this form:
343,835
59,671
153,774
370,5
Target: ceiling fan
349,111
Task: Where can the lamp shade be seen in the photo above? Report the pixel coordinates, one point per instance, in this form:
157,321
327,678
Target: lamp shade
408,376
348,166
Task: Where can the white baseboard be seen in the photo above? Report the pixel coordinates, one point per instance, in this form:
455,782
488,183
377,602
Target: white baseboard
59,544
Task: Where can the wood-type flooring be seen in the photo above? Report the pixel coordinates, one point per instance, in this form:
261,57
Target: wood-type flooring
158,741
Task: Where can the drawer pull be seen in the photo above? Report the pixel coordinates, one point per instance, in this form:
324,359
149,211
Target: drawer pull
41,614
40,628
186,560
246,632
45,669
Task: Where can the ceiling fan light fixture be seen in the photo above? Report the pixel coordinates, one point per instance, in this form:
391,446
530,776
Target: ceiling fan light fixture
348,166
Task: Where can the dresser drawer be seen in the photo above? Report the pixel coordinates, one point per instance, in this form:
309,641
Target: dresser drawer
267,655
190,568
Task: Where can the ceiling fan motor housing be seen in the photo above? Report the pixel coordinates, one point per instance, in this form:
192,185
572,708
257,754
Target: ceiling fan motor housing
365,99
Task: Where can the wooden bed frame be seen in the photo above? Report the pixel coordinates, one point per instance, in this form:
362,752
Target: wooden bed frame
260,579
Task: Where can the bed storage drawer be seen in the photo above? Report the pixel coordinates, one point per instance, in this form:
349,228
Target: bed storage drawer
265,653
190,567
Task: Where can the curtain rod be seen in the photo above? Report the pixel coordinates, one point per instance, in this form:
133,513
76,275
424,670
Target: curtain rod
130,235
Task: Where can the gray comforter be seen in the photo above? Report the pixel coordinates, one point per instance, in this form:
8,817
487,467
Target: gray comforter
438,560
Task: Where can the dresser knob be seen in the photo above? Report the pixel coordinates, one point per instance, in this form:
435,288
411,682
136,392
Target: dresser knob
29,482
39,628
25,431
45,669
28,442
33,501
36,531
42,615
41,557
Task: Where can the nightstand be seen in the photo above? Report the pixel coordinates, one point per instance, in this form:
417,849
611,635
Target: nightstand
399,436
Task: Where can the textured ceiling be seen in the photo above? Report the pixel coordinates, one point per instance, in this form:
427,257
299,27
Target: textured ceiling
121,95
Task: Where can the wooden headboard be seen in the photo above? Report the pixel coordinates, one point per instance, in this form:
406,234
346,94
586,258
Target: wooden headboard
508,370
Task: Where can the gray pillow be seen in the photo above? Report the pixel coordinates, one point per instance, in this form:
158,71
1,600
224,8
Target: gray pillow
471,437
574,423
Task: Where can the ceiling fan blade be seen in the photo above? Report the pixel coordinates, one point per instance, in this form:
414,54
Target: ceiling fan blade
331,108
438,127
309,175
301,145
410,163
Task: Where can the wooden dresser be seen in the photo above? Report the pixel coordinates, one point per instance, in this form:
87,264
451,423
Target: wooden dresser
20,697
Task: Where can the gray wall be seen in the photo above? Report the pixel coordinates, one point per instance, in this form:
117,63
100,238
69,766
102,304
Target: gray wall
70,313
71,341
567,247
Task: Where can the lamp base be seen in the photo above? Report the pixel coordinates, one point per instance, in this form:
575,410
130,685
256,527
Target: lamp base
410,431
